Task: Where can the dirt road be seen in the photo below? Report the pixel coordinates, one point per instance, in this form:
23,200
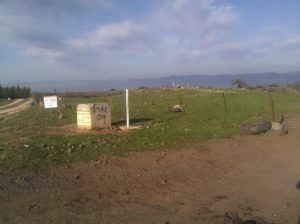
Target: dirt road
251,178
16,106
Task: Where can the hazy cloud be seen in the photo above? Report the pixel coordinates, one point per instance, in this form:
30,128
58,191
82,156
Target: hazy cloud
260,46
202,20
125,35
122,37
45,24
51,53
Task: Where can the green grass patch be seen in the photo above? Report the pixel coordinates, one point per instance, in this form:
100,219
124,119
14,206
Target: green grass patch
3,102
25,144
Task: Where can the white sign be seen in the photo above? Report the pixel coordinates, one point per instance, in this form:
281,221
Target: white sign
50,101
84,120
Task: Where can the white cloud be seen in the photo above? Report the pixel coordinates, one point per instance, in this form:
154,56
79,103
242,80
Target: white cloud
125,35
190,54
260,46
202,20
292,40
50,53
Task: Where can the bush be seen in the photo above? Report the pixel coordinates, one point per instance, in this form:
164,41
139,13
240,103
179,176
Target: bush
14,92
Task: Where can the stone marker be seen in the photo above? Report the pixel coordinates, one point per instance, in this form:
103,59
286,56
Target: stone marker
101,115
84,120
93,116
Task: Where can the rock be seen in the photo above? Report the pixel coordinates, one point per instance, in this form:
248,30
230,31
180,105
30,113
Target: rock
61,116
283,131
163,182
276,126
69,150
114,128
298,185
32,206
177,108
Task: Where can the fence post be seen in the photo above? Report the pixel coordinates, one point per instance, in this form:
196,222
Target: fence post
127,108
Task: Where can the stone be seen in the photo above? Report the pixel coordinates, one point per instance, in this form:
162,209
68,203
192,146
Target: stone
93,116
101,115
84,120
276,126
61,116
283,131
177,108
69,150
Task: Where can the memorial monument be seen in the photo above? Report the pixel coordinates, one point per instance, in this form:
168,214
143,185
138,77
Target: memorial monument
93,116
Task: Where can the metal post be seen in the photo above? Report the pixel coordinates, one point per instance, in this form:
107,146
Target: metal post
127,108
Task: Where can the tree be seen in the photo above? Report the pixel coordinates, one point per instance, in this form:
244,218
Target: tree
240,83
14,92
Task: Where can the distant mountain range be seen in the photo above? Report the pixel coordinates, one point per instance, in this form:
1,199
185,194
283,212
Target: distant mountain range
190,80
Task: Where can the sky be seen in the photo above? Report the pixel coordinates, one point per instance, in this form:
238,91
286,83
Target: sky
124,39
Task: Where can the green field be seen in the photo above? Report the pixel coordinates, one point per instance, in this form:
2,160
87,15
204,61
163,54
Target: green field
25,144
4,102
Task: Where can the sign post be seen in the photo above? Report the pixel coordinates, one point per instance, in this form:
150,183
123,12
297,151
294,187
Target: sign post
127,109
50,102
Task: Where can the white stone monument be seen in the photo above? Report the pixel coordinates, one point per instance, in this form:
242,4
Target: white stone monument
93,116
84,120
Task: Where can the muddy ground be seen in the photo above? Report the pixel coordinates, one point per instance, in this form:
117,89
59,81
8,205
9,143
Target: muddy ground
248,179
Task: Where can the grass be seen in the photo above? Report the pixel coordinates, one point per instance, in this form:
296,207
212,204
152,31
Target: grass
25,144
4,102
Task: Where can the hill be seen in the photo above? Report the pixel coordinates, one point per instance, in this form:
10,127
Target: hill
223,80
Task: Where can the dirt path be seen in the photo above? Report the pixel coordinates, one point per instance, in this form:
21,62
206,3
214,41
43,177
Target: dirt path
16,106
253,177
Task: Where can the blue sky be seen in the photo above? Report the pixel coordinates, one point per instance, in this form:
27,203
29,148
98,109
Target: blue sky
121,39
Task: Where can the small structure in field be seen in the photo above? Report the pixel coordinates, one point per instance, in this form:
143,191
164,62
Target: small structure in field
93,116
50,102
177,108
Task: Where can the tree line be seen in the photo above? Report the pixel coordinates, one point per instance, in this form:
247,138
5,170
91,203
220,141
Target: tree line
14,92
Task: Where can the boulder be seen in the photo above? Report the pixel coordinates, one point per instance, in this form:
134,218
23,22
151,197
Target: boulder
177,108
